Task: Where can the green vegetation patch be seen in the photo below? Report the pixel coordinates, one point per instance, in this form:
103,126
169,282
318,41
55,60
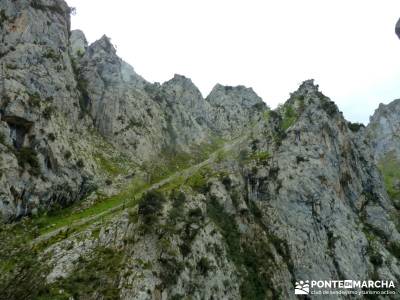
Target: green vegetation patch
82,86
243,256
171,161
150,206
198,181
51,54
48,112
110,166
204,265
66,217
260,156
328,106
175,214
289,117
2,138
34,99
266,116
355,127
253,258
168,163
21,273
94,276
28,157
3,17
390,169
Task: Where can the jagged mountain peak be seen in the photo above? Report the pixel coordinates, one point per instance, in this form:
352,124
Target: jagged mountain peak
181,90
309,98
231,89
103,45
233,96
179,84
180,78
384,108
306,90
78,43
103,54
308,86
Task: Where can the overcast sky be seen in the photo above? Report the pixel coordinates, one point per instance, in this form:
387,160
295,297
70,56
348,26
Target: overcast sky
347,46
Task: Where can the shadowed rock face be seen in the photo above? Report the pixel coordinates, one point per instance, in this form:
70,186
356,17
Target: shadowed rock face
384,128
39,110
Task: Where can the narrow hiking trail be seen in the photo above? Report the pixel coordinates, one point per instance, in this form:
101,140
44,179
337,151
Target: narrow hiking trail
184,174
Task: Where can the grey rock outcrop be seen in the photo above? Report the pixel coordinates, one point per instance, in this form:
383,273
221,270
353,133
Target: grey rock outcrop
146,118
383,130
78,43
321,193
234,109
39,110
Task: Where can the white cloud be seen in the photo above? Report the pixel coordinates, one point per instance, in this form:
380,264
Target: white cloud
349,47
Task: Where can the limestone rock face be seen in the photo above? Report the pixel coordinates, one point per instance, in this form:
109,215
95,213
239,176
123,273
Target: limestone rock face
384,128
78,43
39,110
299,197
322,193
234,109
113,96
146,118
56,89
383,134
186,111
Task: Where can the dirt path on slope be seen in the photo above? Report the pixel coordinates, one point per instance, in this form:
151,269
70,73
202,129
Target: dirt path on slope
184,174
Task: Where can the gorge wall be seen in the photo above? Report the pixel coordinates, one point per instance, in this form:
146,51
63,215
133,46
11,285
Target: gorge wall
139,190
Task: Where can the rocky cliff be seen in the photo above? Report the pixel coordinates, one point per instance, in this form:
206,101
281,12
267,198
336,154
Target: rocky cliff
56,89
139,190
383,132
40,122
